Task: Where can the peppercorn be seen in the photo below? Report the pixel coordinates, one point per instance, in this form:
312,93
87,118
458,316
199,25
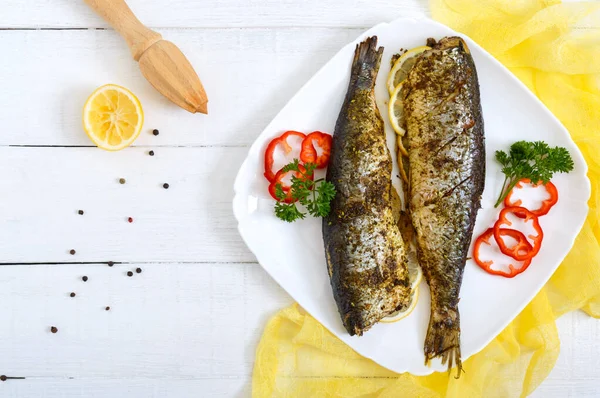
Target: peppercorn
129,273
107,308
151,153
110,263
138,270
53,329
130,219
155,131
121,180
72,294
72,251
84,278
166,186
80,212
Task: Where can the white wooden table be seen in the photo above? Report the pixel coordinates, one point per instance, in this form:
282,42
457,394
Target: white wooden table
188,325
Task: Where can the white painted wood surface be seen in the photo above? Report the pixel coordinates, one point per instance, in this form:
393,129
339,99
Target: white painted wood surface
188,325
214,13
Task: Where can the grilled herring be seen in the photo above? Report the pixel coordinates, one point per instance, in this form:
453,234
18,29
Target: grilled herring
365,253
446,179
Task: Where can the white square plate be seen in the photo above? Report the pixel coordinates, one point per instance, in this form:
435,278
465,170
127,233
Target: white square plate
293,254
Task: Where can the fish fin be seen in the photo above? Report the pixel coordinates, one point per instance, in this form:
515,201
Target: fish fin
367,58
443,340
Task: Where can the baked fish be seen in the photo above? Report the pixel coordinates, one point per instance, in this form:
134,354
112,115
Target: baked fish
365,253
446,157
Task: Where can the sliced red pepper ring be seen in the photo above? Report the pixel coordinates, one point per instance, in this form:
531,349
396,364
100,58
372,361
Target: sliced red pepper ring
517,251
270,152
546,204
287,189
309,153
487,265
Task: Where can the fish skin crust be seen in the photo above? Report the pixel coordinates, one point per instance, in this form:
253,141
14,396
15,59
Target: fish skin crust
365,253
446,180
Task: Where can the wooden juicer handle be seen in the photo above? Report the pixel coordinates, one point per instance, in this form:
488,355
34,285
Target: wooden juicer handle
161,62
118,14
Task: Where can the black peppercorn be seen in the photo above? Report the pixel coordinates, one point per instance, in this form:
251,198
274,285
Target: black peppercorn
151,153
53,329
129,273
72,251
138,270
166,186
84,278
72,294
80,212
155,131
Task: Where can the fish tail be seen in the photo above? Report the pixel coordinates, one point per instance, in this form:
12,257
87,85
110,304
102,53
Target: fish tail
443,339
367,58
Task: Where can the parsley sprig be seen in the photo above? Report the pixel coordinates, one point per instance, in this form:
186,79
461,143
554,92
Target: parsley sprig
536,161
314,196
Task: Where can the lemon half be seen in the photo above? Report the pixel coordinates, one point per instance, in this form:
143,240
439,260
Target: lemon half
113,117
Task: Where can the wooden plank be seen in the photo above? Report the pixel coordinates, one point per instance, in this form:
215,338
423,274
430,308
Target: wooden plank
580,342
43,188
128,387
576,371
229,388
249,75
172,321
171,327
214,13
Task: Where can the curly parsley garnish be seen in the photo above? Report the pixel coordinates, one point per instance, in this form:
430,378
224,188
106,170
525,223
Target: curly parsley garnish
536,161
314,196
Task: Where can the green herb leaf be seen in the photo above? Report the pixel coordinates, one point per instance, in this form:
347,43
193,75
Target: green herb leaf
321,206
310,168
294,166
288,212
301,189
279,192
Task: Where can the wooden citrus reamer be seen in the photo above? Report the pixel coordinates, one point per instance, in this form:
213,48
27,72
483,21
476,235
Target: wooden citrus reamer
161,62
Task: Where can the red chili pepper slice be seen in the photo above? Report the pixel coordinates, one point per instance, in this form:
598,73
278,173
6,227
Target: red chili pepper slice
309,153
546,204
269,153
287,189
487,265
516,251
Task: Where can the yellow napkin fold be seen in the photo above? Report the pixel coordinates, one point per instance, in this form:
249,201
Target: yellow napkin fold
547,45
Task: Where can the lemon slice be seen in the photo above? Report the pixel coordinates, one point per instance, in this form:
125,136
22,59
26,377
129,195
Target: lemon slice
113,117
403,66
401,162
399,315
415,274
396,113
